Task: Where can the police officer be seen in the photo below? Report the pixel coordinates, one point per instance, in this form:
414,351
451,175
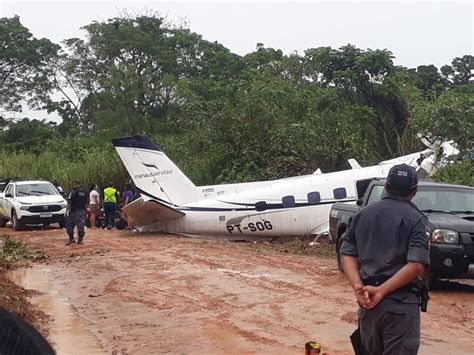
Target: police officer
110,204
384,254
76,210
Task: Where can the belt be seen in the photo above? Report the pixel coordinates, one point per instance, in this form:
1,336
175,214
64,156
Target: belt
377,281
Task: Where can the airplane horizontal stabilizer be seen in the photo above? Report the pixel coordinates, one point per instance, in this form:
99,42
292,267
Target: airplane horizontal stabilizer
143,213
354,164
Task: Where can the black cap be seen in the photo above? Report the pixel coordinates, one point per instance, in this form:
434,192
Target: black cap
77,182
402,177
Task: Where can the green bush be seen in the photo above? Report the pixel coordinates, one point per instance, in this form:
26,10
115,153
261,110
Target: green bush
14,249
461,173
88,165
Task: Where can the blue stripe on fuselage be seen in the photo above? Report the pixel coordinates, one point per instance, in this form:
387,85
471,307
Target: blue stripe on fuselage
270,206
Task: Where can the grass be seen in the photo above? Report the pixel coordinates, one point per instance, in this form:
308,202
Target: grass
14,249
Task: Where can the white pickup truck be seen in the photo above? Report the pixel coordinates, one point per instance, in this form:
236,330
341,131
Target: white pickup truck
31,202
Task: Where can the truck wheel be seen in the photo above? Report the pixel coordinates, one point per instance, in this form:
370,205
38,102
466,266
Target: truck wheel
62,223
16,224
3,222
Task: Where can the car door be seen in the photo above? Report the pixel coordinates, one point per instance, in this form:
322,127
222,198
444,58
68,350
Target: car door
8,201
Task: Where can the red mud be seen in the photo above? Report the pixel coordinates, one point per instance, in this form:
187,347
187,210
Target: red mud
142,293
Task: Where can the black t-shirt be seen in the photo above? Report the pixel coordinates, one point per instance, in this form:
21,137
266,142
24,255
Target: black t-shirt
78,199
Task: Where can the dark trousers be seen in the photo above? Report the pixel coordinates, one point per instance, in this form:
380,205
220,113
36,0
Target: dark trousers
109,210
389,333
77,219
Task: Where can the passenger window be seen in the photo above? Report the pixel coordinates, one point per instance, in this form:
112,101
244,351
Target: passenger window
314,198
288,201
261,206
340,193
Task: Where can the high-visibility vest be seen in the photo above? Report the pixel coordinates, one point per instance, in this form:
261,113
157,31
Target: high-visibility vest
110,195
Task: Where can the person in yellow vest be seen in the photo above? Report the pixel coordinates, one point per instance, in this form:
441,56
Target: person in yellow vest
111,199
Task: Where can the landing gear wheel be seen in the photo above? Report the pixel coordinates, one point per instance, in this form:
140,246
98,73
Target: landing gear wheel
16,224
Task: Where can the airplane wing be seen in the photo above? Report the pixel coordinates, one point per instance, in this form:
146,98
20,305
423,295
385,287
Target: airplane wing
143,213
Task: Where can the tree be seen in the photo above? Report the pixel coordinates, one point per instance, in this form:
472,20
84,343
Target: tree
460,72
452,116
365,78
24,66
430,81
27,135
125,75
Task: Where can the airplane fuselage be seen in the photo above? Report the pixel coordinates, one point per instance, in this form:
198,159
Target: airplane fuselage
288,207
295,206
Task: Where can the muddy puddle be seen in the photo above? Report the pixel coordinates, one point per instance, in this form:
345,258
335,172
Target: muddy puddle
68,332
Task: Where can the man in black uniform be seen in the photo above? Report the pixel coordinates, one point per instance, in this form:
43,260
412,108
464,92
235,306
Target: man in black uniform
384,254
76,209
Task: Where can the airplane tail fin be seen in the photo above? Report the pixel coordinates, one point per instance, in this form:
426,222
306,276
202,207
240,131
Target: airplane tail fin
153,173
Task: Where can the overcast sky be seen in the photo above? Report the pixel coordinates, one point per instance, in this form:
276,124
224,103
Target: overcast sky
422,32
417,32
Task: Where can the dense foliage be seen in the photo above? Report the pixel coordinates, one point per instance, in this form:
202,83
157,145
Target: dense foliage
222,116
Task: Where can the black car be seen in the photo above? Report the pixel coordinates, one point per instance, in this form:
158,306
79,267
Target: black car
450,212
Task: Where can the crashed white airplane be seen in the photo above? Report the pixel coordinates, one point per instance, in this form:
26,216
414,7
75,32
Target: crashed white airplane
296,206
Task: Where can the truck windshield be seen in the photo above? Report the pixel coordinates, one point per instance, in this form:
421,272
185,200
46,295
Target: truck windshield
444,199
436,198
35,190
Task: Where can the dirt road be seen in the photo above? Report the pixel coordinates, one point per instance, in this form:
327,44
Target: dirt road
150,294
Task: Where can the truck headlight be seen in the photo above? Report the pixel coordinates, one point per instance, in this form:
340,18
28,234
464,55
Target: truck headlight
444,236
63,205
24,208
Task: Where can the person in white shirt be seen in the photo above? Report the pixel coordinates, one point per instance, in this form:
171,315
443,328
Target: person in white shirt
58,187
94,203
